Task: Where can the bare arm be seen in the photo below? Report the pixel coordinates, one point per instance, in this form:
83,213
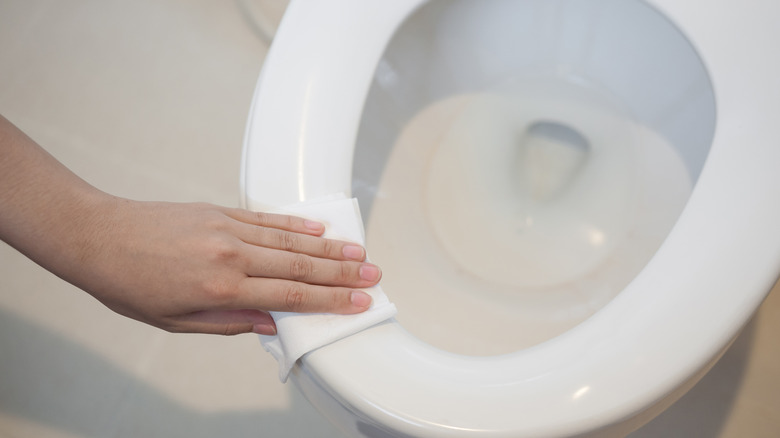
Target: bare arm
180,267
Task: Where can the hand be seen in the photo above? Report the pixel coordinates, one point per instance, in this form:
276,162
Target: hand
180,267
203,268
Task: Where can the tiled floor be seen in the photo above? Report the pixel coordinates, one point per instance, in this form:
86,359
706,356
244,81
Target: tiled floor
147,99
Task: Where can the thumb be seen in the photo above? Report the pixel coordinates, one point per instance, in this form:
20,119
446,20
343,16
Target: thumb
228,322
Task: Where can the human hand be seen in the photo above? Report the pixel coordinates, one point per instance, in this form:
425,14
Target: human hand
203,268
180,267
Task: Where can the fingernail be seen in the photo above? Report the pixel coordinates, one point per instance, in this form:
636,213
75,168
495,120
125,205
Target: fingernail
360,299
354,252
264,329
313,225
370,272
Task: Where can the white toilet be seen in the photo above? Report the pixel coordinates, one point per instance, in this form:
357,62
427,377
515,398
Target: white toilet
575,203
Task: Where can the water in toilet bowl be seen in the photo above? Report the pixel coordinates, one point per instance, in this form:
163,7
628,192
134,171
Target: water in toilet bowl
533,185
506,217
519,163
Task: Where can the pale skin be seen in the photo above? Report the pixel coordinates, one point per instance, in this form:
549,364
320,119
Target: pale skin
180,267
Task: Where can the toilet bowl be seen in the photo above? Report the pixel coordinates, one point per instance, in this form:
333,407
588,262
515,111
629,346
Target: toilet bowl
637,135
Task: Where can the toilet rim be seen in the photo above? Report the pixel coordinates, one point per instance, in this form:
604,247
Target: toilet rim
686,293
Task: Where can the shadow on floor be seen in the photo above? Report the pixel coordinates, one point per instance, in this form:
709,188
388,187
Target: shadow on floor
702,412
51,381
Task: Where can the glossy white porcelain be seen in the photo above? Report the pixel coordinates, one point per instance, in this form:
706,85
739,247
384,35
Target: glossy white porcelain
638,351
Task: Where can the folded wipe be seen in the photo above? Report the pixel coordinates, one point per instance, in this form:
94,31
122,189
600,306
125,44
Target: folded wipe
300,333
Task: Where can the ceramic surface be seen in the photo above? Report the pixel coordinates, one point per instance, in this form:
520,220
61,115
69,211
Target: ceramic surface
653,340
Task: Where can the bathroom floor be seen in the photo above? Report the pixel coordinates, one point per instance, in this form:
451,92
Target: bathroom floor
147,100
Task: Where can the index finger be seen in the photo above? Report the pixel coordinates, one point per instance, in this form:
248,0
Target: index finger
279,221
274,294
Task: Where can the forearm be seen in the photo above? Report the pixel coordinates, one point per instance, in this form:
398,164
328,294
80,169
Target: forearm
46,212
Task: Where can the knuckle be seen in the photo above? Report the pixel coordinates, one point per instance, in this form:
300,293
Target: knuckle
224,250
231,329
261,218
275,220
301,267
295,298
345,273
288,241
330,249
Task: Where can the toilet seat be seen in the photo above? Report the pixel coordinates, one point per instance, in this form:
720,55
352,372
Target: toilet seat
702,293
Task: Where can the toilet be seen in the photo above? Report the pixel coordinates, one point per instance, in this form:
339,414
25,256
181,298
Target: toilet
575,203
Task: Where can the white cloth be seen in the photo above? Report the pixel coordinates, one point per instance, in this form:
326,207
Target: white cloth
300,333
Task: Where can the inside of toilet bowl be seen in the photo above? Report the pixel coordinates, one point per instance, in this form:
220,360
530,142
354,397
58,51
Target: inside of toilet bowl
519,162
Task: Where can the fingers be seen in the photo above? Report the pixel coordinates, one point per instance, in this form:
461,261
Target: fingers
289,268
277,221
269,294
291,296
301,243
270,263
